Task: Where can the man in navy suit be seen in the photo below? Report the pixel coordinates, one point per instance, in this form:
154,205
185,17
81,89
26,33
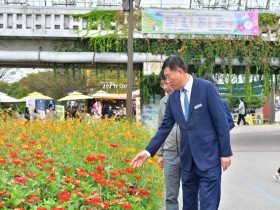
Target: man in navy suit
205,141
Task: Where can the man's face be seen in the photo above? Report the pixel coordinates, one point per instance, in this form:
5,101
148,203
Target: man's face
174,78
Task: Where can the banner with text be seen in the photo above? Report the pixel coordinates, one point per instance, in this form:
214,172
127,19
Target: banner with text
200,22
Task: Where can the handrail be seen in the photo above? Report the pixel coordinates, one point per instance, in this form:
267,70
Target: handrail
64,3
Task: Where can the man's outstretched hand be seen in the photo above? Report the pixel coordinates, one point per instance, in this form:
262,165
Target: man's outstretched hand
139,159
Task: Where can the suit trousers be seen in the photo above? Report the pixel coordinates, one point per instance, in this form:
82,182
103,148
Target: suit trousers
205,185
172,178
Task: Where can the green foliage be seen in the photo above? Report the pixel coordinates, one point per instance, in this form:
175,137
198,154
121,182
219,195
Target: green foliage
57,83
150,86
254,51
254,102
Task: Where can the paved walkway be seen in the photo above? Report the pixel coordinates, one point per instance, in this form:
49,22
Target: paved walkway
248,183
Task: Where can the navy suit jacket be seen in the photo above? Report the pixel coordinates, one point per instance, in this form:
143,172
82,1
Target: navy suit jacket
228,114
205,136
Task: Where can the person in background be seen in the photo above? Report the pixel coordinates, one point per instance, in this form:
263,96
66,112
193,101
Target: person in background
241,112
226,106
169,153
27,114
35,114
10,110
19,115
51,115
120,116
75,112
110,112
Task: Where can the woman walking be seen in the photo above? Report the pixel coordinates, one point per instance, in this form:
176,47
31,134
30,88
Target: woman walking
241,112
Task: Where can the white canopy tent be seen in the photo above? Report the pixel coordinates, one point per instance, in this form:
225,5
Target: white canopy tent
4,98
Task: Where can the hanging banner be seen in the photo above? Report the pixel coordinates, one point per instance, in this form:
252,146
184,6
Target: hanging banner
200,22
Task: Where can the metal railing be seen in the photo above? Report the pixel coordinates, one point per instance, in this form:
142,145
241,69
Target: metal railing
260,5
64,3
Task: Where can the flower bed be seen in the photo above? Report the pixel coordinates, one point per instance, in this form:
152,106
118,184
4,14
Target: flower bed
73,165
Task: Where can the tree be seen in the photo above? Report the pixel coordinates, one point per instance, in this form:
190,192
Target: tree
57,83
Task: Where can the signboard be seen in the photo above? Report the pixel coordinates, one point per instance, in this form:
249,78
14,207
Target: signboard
200,22
30,103
60,112
40,105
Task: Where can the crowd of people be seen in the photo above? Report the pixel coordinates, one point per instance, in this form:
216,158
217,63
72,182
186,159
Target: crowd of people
107,111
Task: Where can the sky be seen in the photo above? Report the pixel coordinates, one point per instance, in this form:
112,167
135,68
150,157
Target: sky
18,74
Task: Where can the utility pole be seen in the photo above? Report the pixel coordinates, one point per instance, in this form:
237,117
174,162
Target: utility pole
130,62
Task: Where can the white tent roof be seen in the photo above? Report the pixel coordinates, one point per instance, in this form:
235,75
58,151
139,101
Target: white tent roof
4,98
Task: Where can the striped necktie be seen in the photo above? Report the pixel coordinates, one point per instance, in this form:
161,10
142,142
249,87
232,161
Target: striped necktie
186,104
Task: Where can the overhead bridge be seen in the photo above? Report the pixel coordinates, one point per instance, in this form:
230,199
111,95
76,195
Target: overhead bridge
29,30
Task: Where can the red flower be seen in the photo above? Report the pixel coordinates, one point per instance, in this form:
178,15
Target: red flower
2,204
3,161
13,155
41,208
21,180
144,192
90,158
113,173
101,157
138,177
105,205
110,184
119,185
116,201
126,205
64,196
67,179
50,179
114,145
126,160
121,172
129,170
16,162
99,168
122,180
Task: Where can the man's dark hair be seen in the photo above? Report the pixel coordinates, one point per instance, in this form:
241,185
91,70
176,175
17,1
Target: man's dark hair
173,62
161,75
209,78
